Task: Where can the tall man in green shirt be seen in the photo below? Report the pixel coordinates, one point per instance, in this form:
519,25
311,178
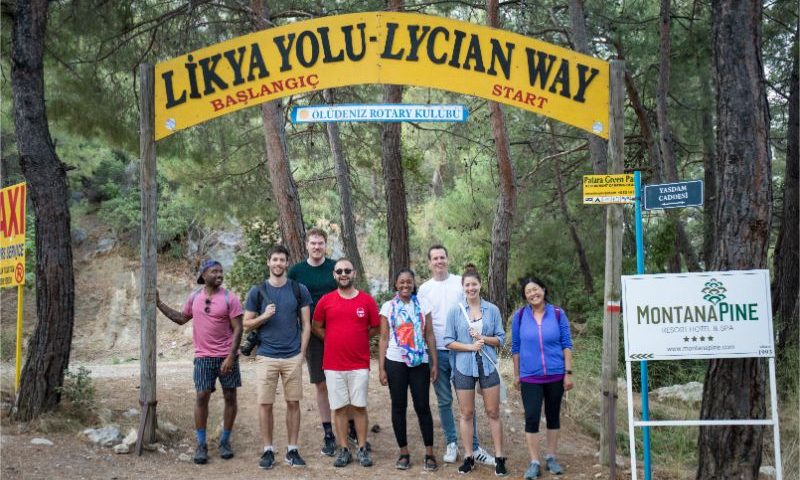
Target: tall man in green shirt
316,273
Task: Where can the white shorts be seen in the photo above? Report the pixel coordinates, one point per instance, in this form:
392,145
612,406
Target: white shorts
348,387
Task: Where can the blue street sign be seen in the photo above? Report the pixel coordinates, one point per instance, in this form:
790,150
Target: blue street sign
673,195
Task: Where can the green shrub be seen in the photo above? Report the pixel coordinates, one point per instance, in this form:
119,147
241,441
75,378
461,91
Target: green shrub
78,388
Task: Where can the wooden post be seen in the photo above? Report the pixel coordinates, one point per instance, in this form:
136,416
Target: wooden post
148,274
613,272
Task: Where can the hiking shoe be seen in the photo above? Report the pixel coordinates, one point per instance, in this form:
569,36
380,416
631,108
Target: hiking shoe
467,466
500,469
267,460
482,456
533,471
404,462
342,458
329,446
352,440
225,450
430,463
451,453
293,459
201,454
553,466
363,457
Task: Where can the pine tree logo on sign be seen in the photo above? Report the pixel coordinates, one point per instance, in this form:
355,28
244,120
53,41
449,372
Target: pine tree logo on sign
714,291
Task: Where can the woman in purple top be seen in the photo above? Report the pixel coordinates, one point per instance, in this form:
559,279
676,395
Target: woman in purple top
542,350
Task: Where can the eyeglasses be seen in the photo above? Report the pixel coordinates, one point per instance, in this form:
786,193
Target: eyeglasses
208,305
345,271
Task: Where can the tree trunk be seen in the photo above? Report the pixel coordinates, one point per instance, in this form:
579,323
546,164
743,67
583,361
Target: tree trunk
349,238
709,171
284,188
669,167
786,285
580,40
735,388
588,282
395,188
49,347
507,200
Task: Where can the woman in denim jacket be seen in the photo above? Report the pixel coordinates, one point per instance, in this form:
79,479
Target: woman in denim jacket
475,332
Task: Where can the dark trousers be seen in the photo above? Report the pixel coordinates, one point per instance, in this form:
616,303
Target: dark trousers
533,394
418,378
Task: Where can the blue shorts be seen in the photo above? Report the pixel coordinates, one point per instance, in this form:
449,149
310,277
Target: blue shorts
206,372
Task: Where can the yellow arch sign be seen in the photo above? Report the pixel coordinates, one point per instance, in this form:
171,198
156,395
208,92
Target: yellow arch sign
383,48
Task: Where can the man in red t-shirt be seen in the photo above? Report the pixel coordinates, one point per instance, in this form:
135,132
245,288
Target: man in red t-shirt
345,319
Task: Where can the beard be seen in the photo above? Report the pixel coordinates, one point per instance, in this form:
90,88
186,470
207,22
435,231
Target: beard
345,282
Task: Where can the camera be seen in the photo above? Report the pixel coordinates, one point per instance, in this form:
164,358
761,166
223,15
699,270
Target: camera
250,342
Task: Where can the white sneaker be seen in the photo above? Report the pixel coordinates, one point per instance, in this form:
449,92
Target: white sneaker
451,453
482,456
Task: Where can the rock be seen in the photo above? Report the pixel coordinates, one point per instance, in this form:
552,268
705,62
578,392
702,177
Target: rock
691,392
78,235
162,450
41,441
122,448
768,471
167,427
130,438
105,245
152,447
130,413
105,437
184,457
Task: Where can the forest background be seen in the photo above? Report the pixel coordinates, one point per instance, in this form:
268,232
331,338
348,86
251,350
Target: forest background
217,176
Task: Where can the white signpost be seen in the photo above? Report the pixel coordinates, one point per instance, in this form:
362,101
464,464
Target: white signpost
699,316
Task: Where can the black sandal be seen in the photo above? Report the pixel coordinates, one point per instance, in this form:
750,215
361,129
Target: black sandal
404,462
430,463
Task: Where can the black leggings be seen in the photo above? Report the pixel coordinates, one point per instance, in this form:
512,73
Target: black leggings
532,396
401,377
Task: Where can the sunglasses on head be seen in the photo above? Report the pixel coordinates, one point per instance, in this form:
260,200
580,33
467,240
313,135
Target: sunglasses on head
208,305
343,271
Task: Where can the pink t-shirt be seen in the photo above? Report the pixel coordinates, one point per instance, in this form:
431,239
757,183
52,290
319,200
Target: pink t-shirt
211,332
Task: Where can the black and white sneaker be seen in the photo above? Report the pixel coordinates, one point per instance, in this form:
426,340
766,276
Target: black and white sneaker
329,446
467,466
293,459
342,458
267,460
500,467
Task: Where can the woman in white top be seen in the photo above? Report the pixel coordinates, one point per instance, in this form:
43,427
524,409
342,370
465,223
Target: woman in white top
406,339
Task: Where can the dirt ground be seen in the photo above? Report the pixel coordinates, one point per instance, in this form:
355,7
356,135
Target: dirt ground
73,456
106,341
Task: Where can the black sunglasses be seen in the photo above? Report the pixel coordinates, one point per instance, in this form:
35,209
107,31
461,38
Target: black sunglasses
208,305
346,271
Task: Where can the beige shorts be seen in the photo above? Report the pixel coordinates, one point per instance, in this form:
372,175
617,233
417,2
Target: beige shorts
347,387
288,369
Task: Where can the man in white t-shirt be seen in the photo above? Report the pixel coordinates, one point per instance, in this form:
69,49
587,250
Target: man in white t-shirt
442,292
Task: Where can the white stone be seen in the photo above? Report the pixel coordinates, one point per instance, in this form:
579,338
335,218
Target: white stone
167,427
691,392
41,441
130,438
105,436
130,413
768,471
184,457
122,448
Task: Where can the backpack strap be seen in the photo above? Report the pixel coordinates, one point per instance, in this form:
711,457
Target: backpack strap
227,297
